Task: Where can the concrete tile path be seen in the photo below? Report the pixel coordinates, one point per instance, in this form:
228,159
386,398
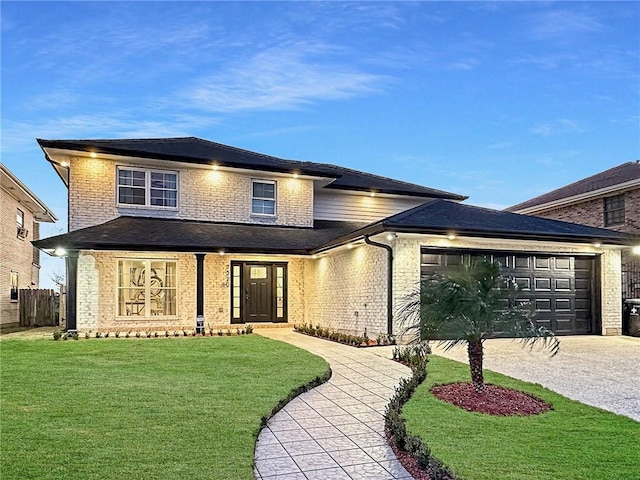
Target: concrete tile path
335,431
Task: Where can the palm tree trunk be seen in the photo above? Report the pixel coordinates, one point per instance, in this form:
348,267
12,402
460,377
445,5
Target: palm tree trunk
474,349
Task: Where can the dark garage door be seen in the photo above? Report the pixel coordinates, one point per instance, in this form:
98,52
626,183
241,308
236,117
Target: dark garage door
562,288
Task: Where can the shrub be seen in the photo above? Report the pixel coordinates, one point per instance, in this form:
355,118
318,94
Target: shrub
57,334
249,328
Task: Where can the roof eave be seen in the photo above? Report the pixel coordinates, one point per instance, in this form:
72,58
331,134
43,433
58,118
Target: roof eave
573,199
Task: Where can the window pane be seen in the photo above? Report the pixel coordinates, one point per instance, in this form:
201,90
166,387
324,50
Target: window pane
164,189
135,178
264,190
131,195
20,218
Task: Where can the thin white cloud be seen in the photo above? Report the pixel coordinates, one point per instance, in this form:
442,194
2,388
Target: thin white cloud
280,78
557,127
563,23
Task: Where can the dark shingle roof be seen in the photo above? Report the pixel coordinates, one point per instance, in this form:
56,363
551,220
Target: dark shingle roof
161,234
204,152
434,217
614,176
443,216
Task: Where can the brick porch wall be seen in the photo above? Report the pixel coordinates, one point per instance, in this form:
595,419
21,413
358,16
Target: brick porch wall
347,290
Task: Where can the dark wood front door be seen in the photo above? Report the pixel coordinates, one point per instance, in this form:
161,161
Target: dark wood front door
258,292
258,286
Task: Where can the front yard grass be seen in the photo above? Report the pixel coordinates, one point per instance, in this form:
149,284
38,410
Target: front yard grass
573,441
141,408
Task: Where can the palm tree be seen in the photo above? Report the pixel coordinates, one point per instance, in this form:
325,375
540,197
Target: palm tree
469,305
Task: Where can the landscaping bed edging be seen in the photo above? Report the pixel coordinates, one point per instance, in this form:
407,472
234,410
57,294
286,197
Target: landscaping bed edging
414,455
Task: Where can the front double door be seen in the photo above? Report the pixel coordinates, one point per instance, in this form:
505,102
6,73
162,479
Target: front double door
259,292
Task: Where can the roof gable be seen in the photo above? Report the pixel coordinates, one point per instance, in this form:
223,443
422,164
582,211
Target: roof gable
601,182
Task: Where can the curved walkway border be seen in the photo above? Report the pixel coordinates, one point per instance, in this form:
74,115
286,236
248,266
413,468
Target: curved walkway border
336,430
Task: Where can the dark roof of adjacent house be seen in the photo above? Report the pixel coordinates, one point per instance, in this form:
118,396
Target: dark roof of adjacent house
444,217
437,216
204,152
162,234
609,178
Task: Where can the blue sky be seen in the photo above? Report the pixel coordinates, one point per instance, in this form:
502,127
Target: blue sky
497,101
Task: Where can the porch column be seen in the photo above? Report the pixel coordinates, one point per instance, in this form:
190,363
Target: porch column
71,262
200,292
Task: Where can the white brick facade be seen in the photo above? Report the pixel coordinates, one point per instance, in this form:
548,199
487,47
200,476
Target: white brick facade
347,290
203,194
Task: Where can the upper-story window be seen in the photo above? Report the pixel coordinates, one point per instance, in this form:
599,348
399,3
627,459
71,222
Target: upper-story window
155,188
22,232
614,210
20,218
263,197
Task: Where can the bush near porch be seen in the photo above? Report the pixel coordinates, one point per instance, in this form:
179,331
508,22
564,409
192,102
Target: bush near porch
572,441
183,409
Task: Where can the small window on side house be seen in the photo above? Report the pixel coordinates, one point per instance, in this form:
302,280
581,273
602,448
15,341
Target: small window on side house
22,232
614,210
263,197
14,286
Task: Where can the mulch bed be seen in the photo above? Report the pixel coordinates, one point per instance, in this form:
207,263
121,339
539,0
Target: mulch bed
494,401
409,463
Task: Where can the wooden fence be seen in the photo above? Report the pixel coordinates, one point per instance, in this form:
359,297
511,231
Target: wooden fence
39,308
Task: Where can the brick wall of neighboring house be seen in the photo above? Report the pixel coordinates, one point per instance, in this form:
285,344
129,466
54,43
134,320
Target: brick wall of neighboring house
592,213
16,254
206,195
347,290
406,272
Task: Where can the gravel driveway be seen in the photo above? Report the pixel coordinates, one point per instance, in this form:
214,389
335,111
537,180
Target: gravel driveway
599,371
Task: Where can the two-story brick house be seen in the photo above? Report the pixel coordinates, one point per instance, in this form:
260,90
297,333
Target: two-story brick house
609,199
20,215
163,232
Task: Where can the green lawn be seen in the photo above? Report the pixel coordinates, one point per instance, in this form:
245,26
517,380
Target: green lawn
178,408
574,441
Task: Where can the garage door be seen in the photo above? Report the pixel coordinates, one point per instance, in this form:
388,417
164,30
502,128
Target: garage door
561,288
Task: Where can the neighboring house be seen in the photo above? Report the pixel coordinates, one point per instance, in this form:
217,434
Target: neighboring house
21,213
163,232
609,199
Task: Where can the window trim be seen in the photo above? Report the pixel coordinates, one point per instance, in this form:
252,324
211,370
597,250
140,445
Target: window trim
14,297
614,212
147,306
147,187
274,199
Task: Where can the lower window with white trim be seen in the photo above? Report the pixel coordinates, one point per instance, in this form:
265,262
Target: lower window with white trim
147,287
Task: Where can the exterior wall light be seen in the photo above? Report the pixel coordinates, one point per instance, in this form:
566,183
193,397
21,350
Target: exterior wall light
636,250
93,155
221,252
350,246
390,236
215,167
295,175
64,164
60,252
372,194
451,236
597,244
314,256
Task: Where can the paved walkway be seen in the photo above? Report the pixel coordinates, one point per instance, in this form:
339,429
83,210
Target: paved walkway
335,431
598,371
